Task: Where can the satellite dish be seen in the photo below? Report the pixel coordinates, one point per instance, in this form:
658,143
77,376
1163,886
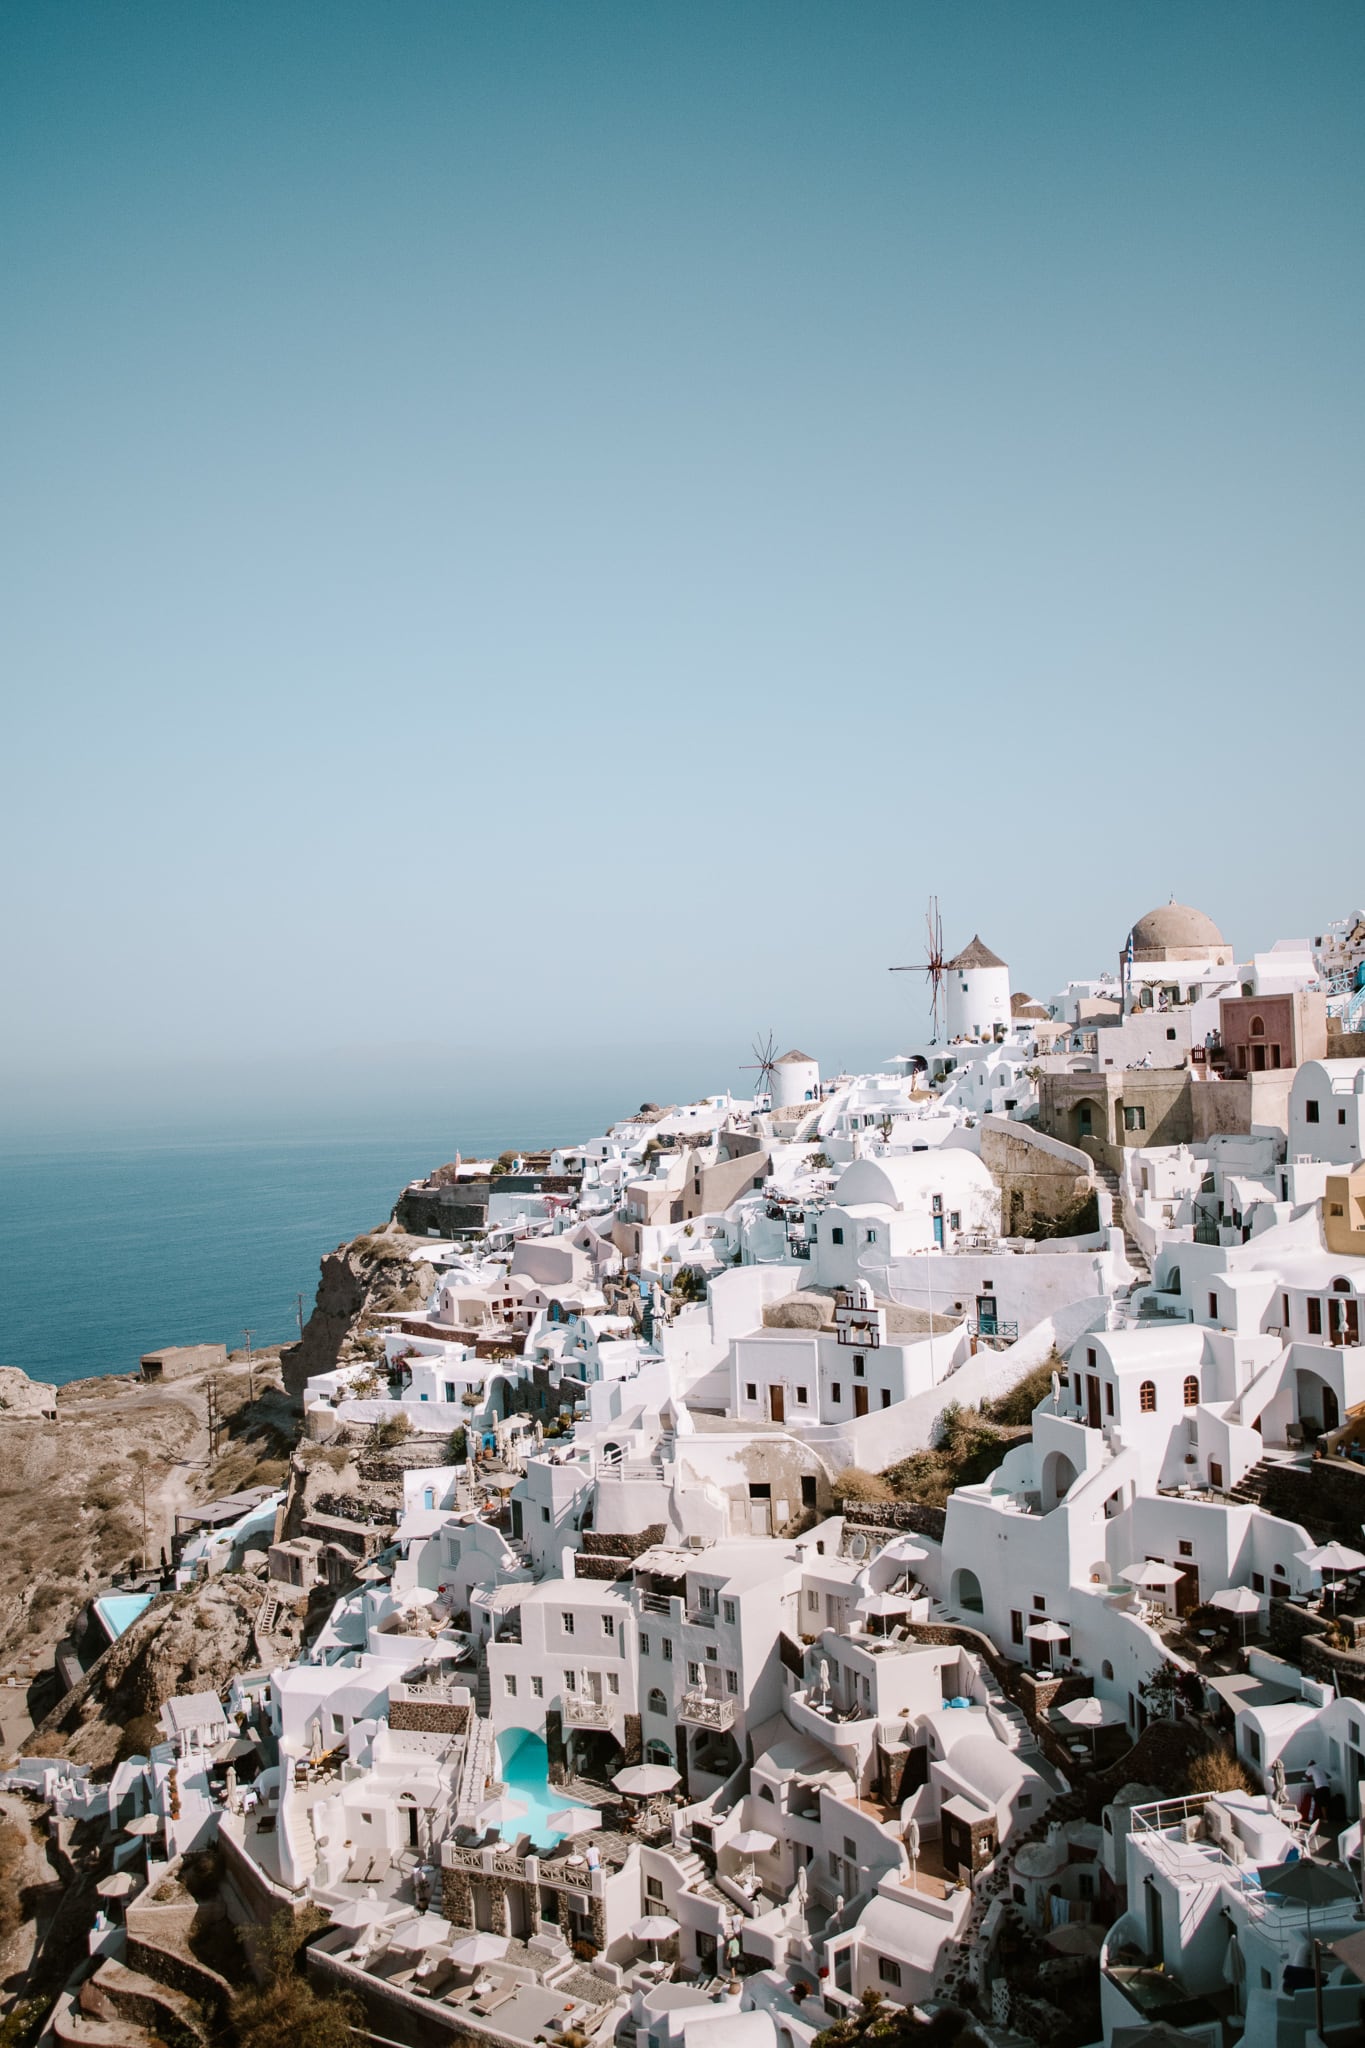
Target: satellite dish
857,1546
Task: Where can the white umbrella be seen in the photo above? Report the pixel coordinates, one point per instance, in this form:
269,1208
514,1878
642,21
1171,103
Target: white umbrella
499,1812
654,1927
145,1824
753,1842
574,1820
1331,1559
1048,1631
420,1933
646,1781
884,1603
1093,1712
471,1951
356,1913
1238,1600
1152,1575
118,1884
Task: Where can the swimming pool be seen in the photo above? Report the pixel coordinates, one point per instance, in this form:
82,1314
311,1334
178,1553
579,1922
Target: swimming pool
525,1768
118,1611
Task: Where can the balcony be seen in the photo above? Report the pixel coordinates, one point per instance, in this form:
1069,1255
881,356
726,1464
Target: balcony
701,1710
582,1712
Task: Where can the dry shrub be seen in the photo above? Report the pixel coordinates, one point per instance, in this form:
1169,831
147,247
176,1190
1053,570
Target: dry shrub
13,1866
855,1484
1214,1768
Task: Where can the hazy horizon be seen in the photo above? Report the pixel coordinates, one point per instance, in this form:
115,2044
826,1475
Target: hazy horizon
536,539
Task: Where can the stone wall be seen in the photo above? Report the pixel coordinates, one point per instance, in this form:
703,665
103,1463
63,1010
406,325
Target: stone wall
894,1514
429,1717
1328,1498
1046,1188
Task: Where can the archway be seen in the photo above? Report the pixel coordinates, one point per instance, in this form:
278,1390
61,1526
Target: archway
593,1752
1059,1476
966,1595
714,1754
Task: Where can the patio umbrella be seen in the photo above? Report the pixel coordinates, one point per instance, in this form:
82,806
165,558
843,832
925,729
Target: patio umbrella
1351,1951
574,1820
1152,1575
1092,1713
646,1781
1238,1600
654,1927
884,1603
118,1884
498,1813
1076,1938
145,1824
358,1913
753,1842
1048,1631
472,1951
1331,1559
1306,1883
420,1933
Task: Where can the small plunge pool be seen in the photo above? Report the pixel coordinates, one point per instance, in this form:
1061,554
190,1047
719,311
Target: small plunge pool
118,1611
524,1766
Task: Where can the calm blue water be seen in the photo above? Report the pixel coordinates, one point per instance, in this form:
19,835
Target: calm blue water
524,1763
109,1252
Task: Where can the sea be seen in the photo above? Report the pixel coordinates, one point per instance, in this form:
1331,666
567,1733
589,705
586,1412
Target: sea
110,1249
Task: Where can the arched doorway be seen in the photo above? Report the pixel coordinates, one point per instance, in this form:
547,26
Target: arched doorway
966,1592
1059,1476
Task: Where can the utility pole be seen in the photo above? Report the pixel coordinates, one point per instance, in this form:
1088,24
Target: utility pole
142,1476
215,1419
250,1368
298,1311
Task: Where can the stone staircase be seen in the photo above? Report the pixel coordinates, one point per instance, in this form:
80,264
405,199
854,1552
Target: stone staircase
953,1979
693,1872
483,1691
1136,1257
1250,1488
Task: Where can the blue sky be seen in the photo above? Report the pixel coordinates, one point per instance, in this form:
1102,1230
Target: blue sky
535,537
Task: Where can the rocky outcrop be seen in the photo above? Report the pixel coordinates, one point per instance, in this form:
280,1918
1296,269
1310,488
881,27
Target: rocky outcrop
374,1273
191,1641
23,1399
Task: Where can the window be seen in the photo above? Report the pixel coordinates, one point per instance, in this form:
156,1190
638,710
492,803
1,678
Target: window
1185,1549
750,1391
1284,1310
538,1688
859,1366
613,1682
571,1681
1341,1118
802,1397
1039,1604
836,1392
694,1674
338,1725
510,1686
712,1656
654,1888
732,1681
668,1649
886,1397
1147,1397
656,1702
428,1496
644,1646
1106,1669
836,1235
955,1215
812,1600
609,1626
1170,1031
545,1514
1314,1316
567,1620
850,1849
1191,1391
1213,1307
1258,1582
1135,1119
1253,1741
1310,1112
728,1610
1109,1397
889,1972
870,1236
1016,1626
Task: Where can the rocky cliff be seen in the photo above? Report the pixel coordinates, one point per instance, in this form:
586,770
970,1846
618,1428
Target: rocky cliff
373,1274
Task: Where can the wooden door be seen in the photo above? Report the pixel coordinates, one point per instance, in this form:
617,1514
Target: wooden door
777,1405
1092,1400
860,1400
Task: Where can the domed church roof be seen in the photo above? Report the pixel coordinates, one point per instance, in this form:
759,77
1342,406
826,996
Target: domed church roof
1175,928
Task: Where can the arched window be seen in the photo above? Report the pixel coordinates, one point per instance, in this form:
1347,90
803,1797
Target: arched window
1191,1392
766,1792
1106,1669
657,1703
1341,1287
1258,1027
1147,1397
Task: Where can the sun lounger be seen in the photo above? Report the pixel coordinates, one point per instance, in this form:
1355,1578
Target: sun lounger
503,1989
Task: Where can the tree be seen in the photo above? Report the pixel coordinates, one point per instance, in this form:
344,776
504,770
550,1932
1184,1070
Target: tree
1214,1768
286,2011
1160,1692
689,1284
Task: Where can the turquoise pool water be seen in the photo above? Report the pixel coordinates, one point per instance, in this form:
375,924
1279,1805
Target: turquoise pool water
119,1611
524,1767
